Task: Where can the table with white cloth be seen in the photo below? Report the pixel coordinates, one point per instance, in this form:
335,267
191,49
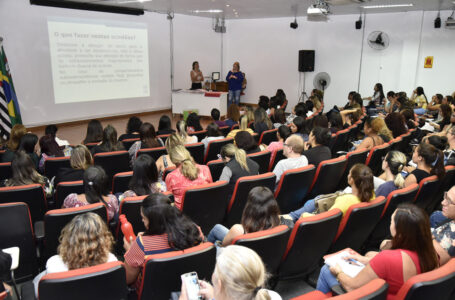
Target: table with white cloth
200,100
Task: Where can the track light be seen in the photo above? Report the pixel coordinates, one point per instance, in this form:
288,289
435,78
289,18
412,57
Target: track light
294,24
358,23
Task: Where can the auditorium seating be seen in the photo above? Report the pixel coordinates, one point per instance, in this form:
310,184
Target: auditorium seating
155,153
340,141
197,152
357,224
428,188
214,148
127,143
121,181
310,239
167,171
225,130
376,289
437,284
240,195
52,165
5,171
32,194
161,272
446,183
262,159
327,177
216,168
206,204
395,144
275,158
293,187
353,157
113,163
17,231
163,137
269,244
268,136
90,146
375,157
65,188
200,134
105,281
56,219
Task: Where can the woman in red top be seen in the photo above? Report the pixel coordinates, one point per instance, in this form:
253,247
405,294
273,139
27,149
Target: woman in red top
187,174
411,253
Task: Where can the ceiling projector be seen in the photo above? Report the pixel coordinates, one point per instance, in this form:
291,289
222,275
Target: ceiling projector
316,10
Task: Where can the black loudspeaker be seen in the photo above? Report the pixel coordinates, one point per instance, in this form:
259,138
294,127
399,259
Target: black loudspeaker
437,22
306,60
358,24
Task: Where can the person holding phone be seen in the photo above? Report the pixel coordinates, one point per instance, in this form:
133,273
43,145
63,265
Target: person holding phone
235,80
239,274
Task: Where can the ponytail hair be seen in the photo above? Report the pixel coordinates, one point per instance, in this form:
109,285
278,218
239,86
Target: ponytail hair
433,158
182,158
396,162
182,129
230,150
363,181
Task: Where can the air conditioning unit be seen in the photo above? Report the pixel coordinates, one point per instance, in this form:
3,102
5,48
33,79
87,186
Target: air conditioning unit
450,23
315,10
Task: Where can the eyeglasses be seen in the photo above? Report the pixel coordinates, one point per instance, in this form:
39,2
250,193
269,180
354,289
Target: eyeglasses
447,199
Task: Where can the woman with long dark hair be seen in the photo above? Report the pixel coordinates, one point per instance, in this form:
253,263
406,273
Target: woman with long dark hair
132,129
109,142
95,190
410,252
244,140
165,125
429,161
396,123
166,229
28,145
213,134
148,139
49,148
261,212
419,98
94,132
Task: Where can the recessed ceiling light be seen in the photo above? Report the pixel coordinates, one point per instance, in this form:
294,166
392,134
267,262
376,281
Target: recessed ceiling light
210,11
388,5
228,5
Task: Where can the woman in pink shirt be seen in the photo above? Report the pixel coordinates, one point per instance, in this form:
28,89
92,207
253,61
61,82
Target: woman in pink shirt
187,174
282,134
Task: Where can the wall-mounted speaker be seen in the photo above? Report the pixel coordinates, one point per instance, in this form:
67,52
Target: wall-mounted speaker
306,60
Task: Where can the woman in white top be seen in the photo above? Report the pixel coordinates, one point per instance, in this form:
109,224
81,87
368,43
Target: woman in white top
182,131
213,133
378,96
84,242
239,275
196,77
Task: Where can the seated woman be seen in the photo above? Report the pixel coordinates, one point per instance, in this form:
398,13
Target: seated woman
396,123
165,126
213,134
232,115
300,110
132,129
372,137
392,166
383,131
193,123
237,165
147,139
94,132
49,148
360,178
411,253
445,111
80,160
109,142
335,122
182,130
84,242
17,132
145,178
261,212
316,149
429,161
187,174
298,126
165,160
244,140
28,145
239,274
282,134
420,99
95,190
279,118
166,229
261,121
24,173
243,127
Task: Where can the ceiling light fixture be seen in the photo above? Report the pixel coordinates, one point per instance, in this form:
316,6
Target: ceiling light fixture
388,6
210,11
228,5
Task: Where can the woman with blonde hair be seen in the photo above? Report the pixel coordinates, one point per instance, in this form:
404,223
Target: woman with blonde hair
243,127
392,165
187,174
84,242
382,129
182,130
80,160
372,137
239,275
17,132
237,165
164,161
232,115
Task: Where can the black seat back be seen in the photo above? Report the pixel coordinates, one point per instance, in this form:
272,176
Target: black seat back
197,152
328,176
53,164
262,159
214,148
268,136
121,181
155,153
113,163
5,171
33,195
63,189
216,168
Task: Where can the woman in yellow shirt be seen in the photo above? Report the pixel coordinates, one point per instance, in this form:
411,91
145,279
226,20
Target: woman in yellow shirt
360,178
420,99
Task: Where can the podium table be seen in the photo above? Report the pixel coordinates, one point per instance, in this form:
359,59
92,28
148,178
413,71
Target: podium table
203,101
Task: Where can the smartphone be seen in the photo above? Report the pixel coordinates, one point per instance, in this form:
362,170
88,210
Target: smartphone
192,285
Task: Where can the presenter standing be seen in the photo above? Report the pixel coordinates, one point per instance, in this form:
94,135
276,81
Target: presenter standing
235,80
196,77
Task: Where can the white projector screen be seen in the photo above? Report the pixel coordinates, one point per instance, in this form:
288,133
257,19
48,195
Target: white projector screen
97,60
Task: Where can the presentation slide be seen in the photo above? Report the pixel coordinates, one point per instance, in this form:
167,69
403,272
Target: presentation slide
98,60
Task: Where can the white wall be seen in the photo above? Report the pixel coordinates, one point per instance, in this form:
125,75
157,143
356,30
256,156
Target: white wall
268,52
